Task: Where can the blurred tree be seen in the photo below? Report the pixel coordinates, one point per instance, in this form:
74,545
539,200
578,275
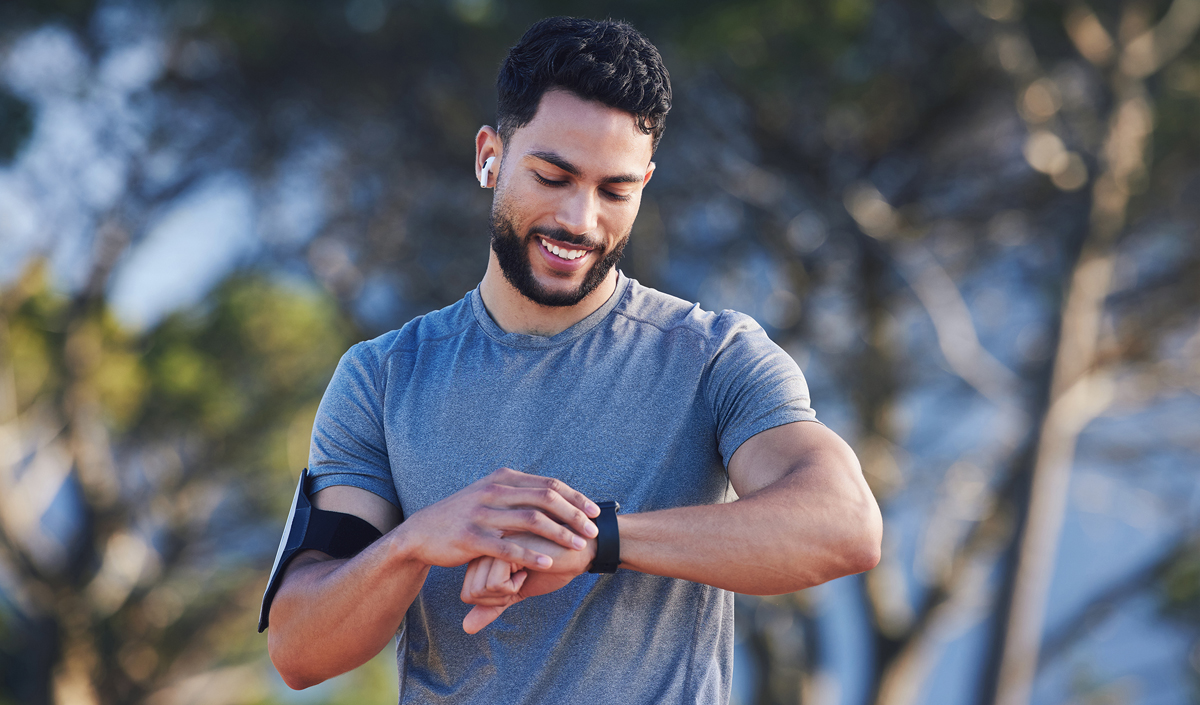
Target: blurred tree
973,223
895,110
15,125
133,466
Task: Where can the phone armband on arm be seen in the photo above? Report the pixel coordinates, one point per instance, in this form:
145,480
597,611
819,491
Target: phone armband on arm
340,535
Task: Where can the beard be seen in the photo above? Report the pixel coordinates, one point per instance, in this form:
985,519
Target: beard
512,253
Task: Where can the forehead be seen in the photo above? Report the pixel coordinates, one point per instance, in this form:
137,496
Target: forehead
592,135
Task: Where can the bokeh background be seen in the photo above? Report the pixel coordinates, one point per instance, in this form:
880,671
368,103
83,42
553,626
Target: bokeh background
972,222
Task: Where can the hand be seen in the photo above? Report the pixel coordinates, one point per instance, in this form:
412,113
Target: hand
494,585
476,520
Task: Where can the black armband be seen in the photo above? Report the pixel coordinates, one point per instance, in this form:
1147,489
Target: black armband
340,535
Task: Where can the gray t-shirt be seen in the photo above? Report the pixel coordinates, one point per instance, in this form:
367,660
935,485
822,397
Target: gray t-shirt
644,401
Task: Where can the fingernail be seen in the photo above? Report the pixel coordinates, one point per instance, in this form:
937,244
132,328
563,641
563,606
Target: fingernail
544,561
592,530
593,509
578,543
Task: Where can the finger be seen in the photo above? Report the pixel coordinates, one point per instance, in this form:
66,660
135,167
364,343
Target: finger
472,597
514,553
491,600
570,495
473,569
553,503
518,580
504,594
492,586
499,578
532,521
476,581
481,616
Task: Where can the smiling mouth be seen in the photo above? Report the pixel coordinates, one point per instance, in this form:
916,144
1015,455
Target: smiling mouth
562,252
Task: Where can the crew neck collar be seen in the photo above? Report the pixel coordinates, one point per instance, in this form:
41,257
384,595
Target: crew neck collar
522,340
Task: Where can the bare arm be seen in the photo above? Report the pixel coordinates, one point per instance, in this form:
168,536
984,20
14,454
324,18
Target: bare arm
332,615
369,594
804,516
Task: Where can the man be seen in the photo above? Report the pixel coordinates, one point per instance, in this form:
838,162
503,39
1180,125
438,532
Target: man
480,438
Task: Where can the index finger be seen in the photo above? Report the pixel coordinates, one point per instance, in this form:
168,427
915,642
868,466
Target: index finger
558,516
516,478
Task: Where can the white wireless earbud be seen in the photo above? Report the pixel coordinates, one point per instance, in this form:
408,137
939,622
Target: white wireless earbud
483,175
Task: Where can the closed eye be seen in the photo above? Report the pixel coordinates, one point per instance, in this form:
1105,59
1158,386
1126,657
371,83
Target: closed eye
617,197
546,182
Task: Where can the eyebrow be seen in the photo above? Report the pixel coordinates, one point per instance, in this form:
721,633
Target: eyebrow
557,160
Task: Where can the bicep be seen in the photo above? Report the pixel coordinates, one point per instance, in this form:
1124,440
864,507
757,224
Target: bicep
364,504
818,454
348,445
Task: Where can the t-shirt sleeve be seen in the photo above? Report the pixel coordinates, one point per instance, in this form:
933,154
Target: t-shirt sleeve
348,446
751,384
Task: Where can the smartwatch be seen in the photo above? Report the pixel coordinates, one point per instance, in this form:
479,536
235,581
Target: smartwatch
608,540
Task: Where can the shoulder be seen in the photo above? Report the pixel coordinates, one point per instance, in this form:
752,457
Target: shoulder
438,325
668,313
377,363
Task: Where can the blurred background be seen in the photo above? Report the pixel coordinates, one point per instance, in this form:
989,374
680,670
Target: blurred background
972,222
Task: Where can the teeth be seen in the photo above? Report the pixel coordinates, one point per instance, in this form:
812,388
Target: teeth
565,254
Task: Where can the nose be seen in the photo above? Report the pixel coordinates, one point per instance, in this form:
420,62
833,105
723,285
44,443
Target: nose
579,213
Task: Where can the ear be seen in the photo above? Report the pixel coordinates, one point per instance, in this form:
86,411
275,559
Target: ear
649,173
487,144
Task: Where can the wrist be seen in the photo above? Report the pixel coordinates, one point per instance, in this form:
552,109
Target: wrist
608,539
403,550
590,552
628,525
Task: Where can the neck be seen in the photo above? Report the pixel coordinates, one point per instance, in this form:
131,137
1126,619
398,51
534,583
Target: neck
515,313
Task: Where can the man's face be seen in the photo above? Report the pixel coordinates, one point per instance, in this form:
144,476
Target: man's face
567,193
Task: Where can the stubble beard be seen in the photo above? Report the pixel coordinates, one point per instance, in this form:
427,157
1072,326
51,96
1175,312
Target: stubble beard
512,253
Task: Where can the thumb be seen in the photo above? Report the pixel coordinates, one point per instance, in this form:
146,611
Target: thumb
480,616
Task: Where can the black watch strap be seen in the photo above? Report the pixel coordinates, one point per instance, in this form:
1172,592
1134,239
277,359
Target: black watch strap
608,541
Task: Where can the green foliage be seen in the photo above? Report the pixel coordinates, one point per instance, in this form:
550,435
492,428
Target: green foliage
1180,586
34,343
261,344
213,408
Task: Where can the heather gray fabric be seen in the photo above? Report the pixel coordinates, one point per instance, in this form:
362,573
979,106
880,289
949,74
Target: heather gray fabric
643,401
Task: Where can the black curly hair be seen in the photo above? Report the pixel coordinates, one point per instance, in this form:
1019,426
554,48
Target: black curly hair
607,61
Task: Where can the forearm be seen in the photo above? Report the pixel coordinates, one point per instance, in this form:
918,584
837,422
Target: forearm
794,534
331,616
